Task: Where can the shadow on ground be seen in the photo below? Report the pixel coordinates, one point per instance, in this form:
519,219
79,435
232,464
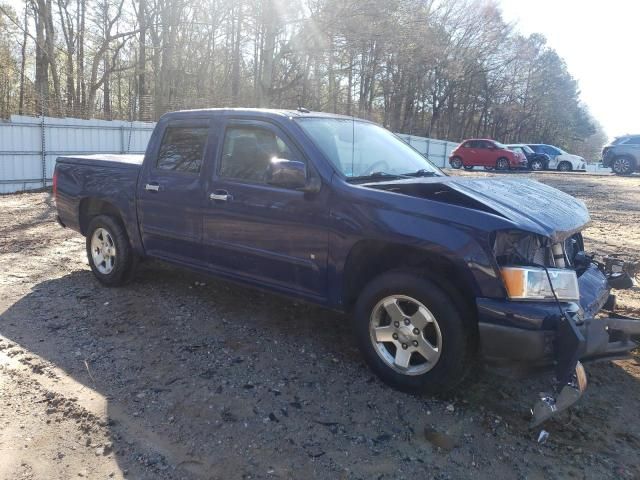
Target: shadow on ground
215,380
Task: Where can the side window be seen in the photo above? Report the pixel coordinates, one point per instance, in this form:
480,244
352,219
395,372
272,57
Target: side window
247,152
182,149
483,145
469,144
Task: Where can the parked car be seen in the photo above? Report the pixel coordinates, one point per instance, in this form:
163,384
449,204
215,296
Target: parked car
486,153
436,271
559,159
535,161
623,155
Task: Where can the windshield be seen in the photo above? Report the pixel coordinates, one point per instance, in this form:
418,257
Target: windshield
360,149
500,145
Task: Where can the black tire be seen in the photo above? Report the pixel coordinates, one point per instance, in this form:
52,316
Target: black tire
536,165
456,350
565,166
502,164
456,162
468,167
623,165
489,169
125,260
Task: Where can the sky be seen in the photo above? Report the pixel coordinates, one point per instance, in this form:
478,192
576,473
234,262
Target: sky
600,42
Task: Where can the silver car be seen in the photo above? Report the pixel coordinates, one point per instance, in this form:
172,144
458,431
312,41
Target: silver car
622,155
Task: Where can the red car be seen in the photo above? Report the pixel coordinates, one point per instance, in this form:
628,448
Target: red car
486,153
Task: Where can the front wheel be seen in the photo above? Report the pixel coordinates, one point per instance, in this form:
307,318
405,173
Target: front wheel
109,252
622,166
411,334
565,167
502,164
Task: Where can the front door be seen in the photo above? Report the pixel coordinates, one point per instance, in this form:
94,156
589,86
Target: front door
171,191
267,234
485,155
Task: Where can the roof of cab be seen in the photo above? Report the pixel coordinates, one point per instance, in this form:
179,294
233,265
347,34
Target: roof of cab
255,112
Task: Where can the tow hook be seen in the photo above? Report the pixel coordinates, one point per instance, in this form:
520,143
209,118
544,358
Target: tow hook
570,393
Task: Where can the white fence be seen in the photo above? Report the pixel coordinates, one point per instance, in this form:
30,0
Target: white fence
437,151
30,145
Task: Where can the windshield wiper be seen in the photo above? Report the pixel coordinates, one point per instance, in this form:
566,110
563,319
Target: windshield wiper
376,175
421,173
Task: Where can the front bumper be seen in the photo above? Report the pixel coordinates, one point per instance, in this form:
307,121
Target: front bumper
534,335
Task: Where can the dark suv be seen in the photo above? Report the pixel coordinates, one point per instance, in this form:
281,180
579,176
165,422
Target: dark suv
623,155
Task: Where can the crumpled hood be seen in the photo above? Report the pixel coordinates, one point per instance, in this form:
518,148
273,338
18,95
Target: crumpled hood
527,201
529,204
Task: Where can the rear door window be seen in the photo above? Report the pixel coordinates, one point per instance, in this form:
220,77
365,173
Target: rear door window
182,149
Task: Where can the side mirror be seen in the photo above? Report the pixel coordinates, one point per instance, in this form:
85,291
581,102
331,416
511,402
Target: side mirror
291,174
491,147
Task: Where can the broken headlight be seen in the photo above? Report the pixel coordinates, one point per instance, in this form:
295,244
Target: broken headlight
531,283
534,269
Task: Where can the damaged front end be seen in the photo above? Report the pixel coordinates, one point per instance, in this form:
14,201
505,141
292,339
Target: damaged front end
557,312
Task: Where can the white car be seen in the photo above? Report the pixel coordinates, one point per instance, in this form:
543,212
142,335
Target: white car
559,159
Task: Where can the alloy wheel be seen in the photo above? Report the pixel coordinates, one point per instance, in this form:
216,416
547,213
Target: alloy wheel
103,251
405,335
621,166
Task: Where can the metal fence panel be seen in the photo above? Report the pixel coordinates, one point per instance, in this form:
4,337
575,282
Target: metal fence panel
29,146
437,151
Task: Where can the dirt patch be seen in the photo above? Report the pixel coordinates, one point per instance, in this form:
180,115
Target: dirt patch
182,376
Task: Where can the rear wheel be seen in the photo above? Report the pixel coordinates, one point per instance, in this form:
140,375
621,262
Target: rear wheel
622,166
502,164
468,167
109,252
411,334
456,162
565,167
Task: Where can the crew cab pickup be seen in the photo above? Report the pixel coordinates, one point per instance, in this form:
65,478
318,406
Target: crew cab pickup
435,270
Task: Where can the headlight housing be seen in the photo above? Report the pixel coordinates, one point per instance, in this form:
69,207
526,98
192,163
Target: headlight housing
529,283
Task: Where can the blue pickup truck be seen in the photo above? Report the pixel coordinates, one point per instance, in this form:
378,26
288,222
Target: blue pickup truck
436,271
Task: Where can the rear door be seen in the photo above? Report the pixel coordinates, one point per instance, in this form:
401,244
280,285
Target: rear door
171,192
265,234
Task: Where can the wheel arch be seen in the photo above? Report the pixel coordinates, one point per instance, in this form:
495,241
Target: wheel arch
359,269
90,207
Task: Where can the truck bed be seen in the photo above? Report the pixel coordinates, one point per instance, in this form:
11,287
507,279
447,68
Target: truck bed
105,160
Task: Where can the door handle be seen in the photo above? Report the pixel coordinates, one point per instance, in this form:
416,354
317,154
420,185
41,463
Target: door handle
221,195
152,187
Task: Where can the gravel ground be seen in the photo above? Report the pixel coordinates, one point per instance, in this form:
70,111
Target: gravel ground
182,376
